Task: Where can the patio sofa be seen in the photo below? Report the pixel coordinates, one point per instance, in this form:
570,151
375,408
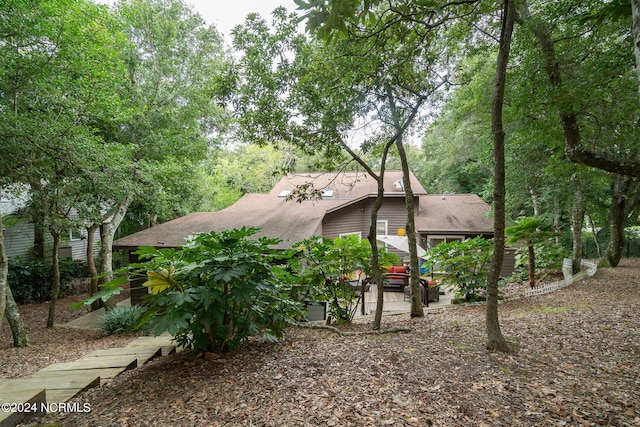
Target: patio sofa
396,278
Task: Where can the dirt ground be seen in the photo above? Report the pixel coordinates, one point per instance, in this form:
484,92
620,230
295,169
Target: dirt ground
576,362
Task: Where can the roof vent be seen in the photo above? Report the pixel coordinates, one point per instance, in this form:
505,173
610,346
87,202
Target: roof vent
327,194
284,194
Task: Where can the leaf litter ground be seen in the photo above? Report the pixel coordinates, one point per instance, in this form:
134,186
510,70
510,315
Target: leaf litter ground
576,363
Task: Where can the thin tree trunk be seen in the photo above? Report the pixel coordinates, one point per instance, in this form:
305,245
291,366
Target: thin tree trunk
557,213
107,232
535,201
592,224
4,270
38,217
373,233
495,340
375,259
578,224
91,263
635,13
531,254
38,235
416,295
56,279
18,330
617,219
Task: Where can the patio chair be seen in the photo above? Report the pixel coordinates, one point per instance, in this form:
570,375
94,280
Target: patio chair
429,292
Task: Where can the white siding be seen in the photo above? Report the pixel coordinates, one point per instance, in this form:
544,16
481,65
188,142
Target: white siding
18,240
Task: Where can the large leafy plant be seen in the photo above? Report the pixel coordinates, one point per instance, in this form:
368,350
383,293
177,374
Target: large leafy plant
326,267
215,292
464,266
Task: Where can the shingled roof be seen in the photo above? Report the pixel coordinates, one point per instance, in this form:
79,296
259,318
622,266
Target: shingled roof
453,214
347,185
292,222
275,216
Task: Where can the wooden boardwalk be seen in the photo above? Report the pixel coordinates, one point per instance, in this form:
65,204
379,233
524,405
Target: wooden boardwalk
56,384
60,382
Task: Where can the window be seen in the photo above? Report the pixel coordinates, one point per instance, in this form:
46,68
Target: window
76,234
357,233
432,242
382,227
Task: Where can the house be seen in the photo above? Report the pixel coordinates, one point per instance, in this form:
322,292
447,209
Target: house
19,234
342,205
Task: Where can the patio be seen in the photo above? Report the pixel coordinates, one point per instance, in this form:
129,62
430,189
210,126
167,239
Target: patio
395,302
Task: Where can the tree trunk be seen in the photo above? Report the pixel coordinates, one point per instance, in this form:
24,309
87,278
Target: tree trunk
38,236
574,150
107,232
375,259
4,270
373,234
416,295
635,13
578,224
18,330
617,219
495,340
8,307
56,278
592,224
38,217
91,263
557,214
531,254
535,201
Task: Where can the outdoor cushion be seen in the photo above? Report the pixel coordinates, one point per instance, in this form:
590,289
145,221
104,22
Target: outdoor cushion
396,269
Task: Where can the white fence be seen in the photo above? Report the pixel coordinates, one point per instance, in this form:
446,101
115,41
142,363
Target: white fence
590,269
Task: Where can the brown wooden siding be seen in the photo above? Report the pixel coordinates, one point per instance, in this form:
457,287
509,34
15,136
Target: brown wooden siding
357,218
509,262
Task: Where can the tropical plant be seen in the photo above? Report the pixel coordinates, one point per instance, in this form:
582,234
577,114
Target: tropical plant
326,266
464,266
218,290
532,231
548,257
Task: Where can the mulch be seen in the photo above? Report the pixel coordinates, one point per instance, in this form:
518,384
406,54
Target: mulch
575,363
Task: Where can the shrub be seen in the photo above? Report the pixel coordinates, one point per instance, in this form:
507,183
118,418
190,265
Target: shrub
324,266
218,290
465,266
32,281
122,319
